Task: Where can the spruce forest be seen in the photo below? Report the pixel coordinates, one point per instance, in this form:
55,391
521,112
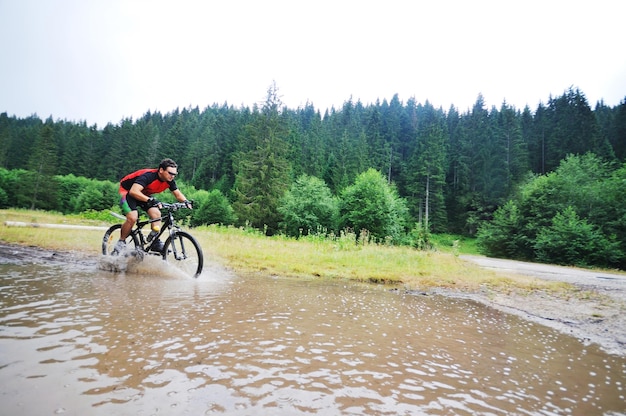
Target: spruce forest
544,184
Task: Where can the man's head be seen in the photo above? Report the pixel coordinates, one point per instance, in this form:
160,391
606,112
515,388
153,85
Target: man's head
168,169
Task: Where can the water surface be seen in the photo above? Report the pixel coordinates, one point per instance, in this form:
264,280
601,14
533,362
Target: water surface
76,339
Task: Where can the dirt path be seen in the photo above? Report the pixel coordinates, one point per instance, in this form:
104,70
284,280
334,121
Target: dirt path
597,314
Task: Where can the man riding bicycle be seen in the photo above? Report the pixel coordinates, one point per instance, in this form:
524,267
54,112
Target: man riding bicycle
136,190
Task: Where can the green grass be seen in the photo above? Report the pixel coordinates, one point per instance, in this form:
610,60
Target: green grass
246,251
456,244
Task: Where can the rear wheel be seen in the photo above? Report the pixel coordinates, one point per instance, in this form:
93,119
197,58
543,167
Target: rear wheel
183,251
112,235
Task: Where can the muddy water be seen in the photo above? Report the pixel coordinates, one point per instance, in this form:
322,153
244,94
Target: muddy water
76,339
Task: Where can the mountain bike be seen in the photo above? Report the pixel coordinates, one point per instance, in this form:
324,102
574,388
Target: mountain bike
180,248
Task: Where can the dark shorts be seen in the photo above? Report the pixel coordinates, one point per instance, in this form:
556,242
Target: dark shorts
128,204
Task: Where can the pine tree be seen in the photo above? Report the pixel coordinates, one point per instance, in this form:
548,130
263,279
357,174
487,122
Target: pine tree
379,149
510,140
263,170
619,135
426,170
571,128
5,138
43,164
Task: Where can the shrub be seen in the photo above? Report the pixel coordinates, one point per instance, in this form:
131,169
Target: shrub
573,241
504,236
374,205
211,208
308,207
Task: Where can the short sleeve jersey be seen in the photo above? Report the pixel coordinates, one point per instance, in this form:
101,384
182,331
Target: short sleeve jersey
149,179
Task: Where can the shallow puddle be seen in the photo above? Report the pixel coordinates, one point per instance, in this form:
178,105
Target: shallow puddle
76,339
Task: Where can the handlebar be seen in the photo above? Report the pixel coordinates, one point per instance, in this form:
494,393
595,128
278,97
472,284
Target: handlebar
174,207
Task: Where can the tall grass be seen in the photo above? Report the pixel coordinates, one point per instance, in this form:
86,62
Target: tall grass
248,251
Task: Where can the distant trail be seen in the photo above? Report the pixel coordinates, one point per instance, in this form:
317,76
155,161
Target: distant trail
614,283
573,275
63,226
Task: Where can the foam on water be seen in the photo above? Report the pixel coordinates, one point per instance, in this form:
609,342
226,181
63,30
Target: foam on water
133,262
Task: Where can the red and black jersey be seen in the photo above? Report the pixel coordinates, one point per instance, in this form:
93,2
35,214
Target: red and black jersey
149,179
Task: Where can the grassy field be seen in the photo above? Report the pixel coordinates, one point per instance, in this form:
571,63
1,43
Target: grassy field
313,257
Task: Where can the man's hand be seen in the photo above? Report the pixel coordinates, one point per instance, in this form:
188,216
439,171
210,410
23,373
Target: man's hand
153,202
188,203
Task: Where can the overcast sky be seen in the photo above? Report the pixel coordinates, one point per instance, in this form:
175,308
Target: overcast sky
100,61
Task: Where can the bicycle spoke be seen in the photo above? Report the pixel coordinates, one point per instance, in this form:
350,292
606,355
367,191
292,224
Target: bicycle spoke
183,252
112,235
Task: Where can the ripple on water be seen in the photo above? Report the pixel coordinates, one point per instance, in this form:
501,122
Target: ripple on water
150,342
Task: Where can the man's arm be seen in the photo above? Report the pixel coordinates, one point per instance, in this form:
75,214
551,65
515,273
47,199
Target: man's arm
179,195
181,198
135,192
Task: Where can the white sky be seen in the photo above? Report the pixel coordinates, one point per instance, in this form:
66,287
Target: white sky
100,61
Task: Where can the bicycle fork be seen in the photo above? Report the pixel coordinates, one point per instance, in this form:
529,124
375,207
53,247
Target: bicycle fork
177,245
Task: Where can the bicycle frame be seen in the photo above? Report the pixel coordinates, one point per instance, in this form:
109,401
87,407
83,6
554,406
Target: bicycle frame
169,223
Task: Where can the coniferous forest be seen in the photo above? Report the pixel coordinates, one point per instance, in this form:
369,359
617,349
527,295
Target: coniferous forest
545,184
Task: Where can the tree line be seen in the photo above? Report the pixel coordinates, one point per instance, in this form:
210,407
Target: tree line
452,169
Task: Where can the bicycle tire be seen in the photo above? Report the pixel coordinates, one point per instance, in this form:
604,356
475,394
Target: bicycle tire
110,239
183,251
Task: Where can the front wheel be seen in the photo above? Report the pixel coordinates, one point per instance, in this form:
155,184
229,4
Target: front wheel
183,251
111,236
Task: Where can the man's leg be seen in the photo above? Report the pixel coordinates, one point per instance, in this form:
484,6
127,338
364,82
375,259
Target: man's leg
131,219
153,213
128,205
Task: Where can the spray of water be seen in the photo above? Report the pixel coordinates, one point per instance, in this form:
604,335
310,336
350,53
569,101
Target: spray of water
137,263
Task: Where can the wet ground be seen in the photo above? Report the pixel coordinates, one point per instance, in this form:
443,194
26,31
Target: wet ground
83,336
595,312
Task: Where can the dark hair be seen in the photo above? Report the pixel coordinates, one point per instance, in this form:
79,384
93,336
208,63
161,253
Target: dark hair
167,163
